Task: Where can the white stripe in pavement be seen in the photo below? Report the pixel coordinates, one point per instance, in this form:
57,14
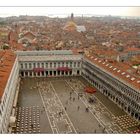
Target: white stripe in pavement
45,110
104,107
63,108
86,105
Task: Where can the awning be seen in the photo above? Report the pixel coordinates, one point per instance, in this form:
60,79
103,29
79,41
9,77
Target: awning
63,69
90,90
38,69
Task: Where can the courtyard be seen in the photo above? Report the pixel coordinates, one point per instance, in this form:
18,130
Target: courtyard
60,106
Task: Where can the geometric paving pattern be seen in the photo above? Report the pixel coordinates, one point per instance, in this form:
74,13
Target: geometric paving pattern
103,115
58,118
28,120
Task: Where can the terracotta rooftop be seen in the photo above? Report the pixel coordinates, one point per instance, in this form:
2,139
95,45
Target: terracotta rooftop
116,71
6,64
132,49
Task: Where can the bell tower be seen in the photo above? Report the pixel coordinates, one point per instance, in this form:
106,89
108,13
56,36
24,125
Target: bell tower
72,16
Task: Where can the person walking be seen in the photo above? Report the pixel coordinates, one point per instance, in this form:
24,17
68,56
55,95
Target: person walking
87,109
78,108
73,99
78,96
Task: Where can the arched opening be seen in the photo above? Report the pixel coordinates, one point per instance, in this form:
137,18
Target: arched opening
26,73
129,109
50,73
62,72
22,74
66,72
78,72
132,114
54,73
58,72
136,116
70,72
34,73
38,73
46,73
42,73
30,73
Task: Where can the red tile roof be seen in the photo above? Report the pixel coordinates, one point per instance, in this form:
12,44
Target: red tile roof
116,71
6,64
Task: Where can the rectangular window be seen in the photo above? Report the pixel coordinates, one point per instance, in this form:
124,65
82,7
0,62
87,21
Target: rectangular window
34,65
25,65
78,64
42,65
70,64
58,64
62,64
54,64
50,65
74,64
38,65
21,66
30,65
46,65
0,113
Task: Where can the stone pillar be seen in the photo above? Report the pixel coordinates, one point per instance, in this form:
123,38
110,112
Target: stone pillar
36,74
44,73
79,72
56,73
23,74
32,74
48,73
52,73
40,74
28,74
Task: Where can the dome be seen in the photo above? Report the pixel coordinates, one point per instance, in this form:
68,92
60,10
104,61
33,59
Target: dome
70,26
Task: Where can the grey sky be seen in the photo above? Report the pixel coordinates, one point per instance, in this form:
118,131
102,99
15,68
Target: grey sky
64,11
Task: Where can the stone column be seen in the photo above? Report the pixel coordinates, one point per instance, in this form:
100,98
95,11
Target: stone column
40,74
23,74
32,74
44,73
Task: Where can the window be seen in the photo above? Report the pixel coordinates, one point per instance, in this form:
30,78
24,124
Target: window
34,65
74,64
62,64
38,65
46,65
30,66
54,64
25,65
42,65
22,66
0,113
78,64
50,65
70,64
58,64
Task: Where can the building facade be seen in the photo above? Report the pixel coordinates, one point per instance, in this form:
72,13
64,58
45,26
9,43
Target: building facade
65,63
7,100
49,64
121,93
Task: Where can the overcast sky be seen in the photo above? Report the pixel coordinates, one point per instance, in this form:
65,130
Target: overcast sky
65,11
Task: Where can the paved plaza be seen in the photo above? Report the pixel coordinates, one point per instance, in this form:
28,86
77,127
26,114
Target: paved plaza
60,106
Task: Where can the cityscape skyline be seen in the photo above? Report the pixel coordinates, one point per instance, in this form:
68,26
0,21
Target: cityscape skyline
66,11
